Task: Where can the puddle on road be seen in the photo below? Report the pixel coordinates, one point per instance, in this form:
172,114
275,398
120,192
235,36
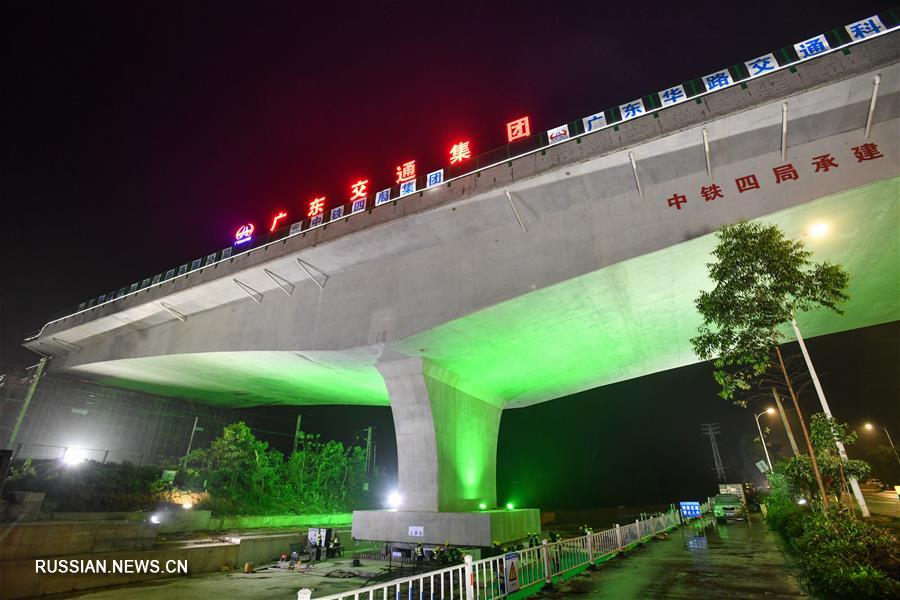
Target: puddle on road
708,532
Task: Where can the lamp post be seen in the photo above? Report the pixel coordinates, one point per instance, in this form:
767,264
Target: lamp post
854,484
870,427
768,411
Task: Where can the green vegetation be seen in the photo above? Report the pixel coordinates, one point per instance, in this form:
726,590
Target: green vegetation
840,555
835,473
762,280
237,475
91,486
243,475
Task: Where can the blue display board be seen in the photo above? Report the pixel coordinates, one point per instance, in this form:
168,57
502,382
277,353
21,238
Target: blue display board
690,509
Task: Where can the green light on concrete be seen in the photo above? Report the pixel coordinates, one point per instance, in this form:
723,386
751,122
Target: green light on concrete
624,321
636,317
620,322
240,379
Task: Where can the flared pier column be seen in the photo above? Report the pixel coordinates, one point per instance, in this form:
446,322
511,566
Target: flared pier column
446,438
447,463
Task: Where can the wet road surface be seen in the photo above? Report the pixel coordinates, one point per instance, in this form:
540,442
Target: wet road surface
737,561
883,503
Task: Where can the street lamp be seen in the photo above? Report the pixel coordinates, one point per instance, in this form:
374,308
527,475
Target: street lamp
819,229
870,427
768,411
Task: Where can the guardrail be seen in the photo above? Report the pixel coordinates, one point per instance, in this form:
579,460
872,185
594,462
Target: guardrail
486,579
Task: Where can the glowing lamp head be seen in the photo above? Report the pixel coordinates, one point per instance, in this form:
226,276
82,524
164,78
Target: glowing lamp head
817,230
74,457
155,519
394,500
801,501
482,506
770,410
187,505
869,426
510,506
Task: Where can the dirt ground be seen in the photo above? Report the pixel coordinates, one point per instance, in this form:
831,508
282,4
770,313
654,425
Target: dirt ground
269,584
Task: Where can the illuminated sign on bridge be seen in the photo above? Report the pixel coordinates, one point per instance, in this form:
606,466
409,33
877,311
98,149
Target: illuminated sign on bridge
408,181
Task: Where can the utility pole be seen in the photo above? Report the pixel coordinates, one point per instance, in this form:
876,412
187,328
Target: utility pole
297,432
863,507
190,441
28,395
787,425
762,438
712,429
369,457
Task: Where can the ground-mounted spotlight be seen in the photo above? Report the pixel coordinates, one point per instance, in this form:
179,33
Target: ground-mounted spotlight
482,506
510,506
394,500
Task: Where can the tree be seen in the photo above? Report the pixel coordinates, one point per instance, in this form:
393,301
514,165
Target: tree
835,472
243,475
762,279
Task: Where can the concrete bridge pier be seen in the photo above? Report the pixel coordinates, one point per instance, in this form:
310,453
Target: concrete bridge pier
446,452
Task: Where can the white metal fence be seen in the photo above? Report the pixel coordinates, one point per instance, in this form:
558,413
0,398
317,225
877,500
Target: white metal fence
486,579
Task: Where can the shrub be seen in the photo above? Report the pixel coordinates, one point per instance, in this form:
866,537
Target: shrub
91,486
846,557
783,514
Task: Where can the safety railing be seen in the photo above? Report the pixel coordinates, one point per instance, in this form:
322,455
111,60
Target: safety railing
498,576
448,583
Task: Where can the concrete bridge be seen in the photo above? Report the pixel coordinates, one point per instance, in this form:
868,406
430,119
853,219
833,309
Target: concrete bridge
569,268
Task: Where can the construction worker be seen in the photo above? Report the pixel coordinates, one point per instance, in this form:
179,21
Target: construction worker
334,547
419,553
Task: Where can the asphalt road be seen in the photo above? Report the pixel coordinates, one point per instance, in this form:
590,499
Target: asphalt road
739,560
883,503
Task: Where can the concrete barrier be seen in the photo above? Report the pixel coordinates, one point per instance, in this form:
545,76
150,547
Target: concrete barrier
22,505
275,521
40,539
134,516
262,549
202,520
108,537
21,581
172,521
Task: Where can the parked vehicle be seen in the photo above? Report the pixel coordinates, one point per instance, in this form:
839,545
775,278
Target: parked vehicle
738,489
729,506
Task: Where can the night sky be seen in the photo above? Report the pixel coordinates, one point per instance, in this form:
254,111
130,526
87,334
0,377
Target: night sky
137,136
